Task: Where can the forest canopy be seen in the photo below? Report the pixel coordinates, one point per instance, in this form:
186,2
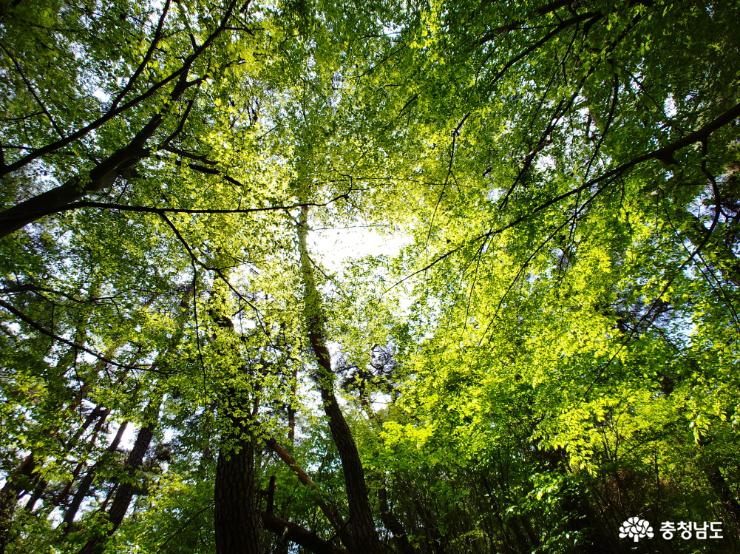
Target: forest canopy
545,346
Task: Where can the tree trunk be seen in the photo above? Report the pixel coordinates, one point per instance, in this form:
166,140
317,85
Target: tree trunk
125,491
84,487
9,497
363,536
237,520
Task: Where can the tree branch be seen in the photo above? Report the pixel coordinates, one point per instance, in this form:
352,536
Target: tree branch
299,535
44,331
663,154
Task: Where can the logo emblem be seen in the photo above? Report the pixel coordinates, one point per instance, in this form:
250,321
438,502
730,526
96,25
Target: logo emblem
636,529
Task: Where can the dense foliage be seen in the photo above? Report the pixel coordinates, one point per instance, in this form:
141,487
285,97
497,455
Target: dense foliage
548,347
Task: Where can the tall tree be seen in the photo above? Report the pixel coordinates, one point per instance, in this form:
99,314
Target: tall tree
545,346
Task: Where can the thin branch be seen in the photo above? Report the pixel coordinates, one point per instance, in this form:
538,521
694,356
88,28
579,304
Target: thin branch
184,69
663,154
219,273
607,126
593,16
185,154
185,525
147,56
514,25
299,535
455,134
167,210
195,295
180,124
326,506
44,331
708,272
669,282
30,88
532,256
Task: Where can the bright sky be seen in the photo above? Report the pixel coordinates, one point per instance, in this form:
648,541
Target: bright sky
333,248
336,246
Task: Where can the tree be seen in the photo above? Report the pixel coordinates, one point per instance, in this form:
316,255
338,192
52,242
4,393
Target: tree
552,352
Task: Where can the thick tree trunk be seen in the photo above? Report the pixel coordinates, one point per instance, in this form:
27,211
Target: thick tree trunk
363,536
237,520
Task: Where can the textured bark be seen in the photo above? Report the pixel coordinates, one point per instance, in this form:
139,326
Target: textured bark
237,520
362,534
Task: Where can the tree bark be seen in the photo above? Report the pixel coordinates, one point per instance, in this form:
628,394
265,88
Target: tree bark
297,534
237,520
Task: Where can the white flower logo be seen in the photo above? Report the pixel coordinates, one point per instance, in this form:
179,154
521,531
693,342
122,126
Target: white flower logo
636,529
